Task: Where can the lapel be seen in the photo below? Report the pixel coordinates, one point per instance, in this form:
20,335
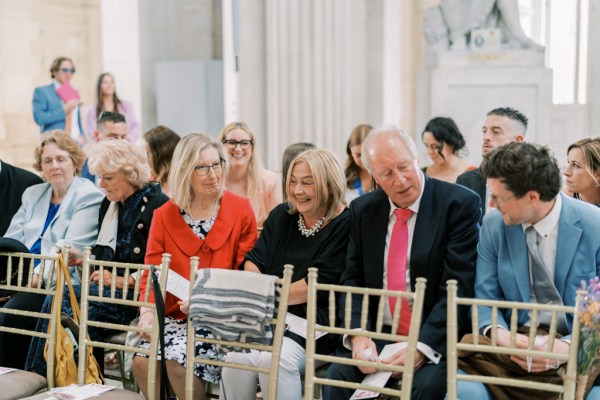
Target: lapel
375,229
185,239
425,233
519,259
569,234
53,97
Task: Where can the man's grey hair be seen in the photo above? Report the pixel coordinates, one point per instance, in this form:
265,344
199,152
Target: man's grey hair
383,129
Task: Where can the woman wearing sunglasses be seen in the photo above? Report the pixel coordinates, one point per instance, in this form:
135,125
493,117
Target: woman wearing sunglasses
56,106
246,176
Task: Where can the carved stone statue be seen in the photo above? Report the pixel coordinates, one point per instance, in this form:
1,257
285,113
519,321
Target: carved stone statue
449,24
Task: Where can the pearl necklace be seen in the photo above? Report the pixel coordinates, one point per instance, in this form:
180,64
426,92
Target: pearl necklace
309,232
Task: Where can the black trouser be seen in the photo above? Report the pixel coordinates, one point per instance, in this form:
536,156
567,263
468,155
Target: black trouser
429,382
14,347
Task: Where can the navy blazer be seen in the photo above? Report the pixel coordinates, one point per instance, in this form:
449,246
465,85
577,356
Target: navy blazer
48,110
141,225
503,258
443,247
13,182
475,181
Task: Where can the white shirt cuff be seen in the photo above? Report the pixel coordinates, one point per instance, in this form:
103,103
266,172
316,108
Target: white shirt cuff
427,351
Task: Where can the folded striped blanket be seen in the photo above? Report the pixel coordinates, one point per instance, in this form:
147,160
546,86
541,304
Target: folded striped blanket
234,305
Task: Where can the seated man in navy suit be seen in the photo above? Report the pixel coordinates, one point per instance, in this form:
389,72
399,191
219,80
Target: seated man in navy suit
442,231
13,182
50,111
537,246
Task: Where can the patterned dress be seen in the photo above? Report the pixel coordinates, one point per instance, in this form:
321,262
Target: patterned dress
176,330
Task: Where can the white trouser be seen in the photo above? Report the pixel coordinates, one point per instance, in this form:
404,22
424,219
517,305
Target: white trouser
237,384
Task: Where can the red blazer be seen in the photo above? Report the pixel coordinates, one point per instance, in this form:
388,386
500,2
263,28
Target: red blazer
227,242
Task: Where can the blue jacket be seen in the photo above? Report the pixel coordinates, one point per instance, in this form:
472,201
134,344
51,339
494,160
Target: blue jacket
503,260
48,110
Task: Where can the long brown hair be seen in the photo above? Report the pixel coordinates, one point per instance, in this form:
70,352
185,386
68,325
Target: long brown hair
351,169
99,104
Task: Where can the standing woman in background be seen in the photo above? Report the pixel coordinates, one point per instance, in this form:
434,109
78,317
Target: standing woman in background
247,177
160,145
358,179
443,141
107,100
583,170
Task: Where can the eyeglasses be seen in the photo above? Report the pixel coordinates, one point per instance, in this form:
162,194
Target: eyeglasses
232,144
202,170
59,160
499,201
65,70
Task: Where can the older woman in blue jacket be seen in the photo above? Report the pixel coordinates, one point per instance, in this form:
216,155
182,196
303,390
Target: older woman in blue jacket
61,211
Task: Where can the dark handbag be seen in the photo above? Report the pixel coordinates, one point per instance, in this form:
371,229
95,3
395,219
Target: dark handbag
160,313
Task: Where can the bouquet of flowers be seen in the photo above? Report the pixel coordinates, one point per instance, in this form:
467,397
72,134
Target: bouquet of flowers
589,339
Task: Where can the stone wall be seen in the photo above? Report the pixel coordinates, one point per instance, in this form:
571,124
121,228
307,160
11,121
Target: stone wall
32,34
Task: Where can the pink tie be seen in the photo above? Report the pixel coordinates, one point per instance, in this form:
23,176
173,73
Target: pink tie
396,271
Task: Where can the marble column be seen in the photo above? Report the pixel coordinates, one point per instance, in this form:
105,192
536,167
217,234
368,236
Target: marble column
593,88
315,73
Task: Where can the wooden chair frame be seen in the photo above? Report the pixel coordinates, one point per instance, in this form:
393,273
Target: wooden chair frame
130,270
275,348
568,388
407,370
46,262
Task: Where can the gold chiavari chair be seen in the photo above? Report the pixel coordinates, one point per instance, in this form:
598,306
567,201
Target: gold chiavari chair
368,294
19,384
454,346
283,285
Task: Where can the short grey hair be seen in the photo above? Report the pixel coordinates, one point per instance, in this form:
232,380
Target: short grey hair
383,129
111,156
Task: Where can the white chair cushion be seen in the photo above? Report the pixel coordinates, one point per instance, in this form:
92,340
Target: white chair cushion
19,384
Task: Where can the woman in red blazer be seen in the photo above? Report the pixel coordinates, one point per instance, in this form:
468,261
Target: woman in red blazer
201,220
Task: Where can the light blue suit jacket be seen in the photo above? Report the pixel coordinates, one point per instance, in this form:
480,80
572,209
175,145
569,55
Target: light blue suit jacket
48,110
503,261
75,223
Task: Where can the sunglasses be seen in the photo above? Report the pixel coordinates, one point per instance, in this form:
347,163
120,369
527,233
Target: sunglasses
65,70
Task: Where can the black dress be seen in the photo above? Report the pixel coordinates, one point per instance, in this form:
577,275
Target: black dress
282,243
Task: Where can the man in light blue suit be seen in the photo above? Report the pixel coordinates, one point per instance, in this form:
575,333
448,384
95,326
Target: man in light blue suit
49,110
524,182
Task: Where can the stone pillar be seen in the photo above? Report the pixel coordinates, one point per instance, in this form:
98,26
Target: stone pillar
180,30
34,33
593,87
121,50
465,85
315,73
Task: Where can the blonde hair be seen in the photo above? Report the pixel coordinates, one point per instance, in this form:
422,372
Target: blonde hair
328,177
590,147
255,165
65,143
113,155
186,155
